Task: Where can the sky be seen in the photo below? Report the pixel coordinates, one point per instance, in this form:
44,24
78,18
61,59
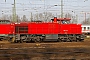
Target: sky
25,7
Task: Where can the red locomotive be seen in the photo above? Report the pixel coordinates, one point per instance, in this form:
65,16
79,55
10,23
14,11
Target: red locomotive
57,30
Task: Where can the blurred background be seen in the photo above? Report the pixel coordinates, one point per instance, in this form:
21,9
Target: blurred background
44,10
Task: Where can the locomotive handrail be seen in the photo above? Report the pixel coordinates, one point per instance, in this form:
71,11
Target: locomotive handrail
63,19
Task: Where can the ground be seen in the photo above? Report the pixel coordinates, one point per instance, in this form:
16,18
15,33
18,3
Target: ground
45,50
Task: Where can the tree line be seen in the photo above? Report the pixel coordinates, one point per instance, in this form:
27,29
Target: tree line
45,17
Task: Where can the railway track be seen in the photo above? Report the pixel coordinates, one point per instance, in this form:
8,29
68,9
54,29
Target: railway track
44,45
44,53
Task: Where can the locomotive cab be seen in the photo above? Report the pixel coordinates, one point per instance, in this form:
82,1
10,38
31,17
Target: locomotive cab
61,20
64,20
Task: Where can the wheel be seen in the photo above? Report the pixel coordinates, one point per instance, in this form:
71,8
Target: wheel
65,40
70,40
76,40
37,40
16,41
21,41
59,40
81,40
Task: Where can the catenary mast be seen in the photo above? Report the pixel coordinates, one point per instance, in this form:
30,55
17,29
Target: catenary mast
14,12
61,8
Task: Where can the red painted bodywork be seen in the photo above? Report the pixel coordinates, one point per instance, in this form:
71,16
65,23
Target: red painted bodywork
7,28
54,28
40,28
43,28
70,29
